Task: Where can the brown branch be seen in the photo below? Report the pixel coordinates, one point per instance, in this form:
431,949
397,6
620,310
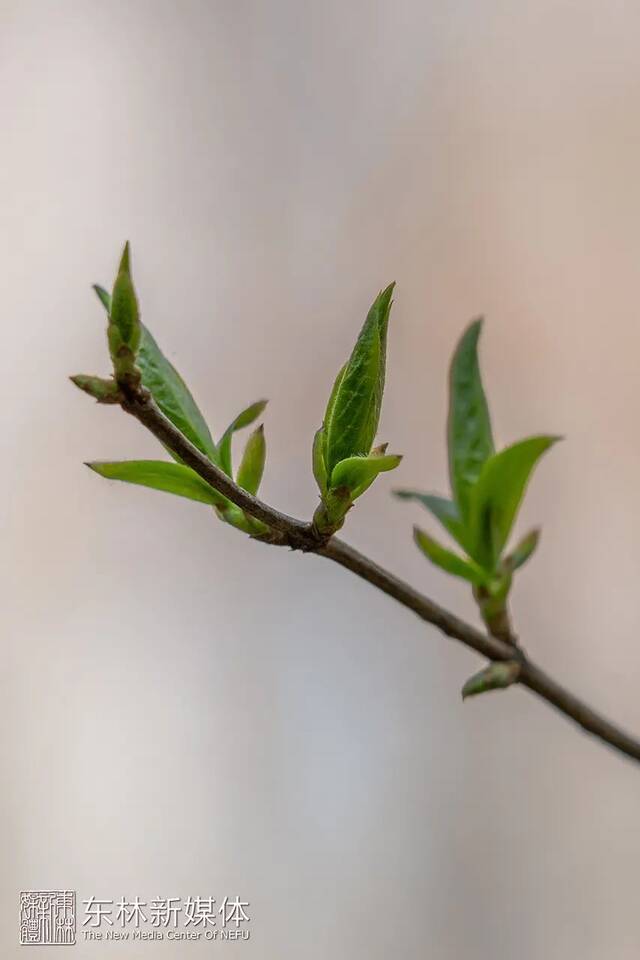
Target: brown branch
301,536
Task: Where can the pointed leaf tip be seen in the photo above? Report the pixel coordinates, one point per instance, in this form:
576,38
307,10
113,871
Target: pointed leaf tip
470,438
124,321
384,297
523,550
100,388
380,450
252,464
497,676
244,419
125,265
103,296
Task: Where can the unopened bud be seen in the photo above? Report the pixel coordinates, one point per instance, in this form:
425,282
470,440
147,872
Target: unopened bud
497,676
101,389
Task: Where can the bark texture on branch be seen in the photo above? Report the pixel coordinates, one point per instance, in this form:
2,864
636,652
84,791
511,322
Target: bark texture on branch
294,533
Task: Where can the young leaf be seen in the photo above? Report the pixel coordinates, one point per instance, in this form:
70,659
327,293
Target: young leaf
469,427
172,395
382,307
496,498
522,551
328,414
124,314
446,559
167,388
353,412
377,452
497,676
252,463
446,511
103,297
160,475
319,468
244,419
356,472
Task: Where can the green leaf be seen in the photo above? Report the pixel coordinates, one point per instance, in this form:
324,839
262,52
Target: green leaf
319,468
244,419
328,414
469,427
124,314
334,393
446,511
168,389
356,472
349,480
522,551
446,559
173,478
497,496
353,412
172,395
497,676
351,429
103,297
252,464
379,451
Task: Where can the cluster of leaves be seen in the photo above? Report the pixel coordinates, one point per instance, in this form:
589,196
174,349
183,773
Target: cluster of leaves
137,356
345,462
487,489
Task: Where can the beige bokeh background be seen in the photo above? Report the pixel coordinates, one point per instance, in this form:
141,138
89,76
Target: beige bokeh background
185,712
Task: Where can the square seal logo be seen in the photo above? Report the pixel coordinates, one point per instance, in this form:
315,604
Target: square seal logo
47,917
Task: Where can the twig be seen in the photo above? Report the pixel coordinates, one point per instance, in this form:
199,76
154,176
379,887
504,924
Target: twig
301,536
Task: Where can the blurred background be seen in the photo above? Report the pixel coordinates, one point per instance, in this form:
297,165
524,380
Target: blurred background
185,712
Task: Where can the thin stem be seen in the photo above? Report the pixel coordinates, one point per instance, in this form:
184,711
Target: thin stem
142,407
302,536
